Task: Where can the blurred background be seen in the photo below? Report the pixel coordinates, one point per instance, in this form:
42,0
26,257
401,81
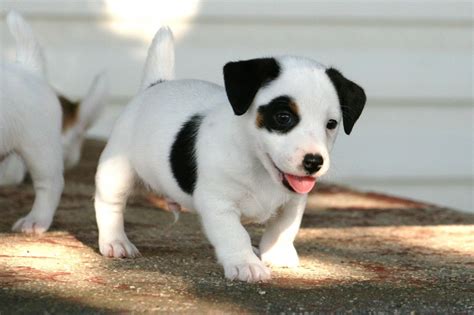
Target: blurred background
414,59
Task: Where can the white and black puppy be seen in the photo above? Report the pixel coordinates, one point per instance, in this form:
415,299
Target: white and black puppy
249,151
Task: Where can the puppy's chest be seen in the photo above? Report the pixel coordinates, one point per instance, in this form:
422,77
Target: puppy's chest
261,204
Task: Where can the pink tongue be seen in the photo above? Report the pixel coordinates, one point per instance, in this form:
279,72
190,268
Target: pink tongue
301,184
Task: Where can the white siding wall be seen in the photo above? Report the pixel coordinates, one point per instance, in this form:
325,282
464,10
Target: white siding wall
414,59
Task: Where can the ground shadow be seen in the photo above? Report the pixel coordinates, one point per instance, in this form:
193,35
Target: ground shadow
15,301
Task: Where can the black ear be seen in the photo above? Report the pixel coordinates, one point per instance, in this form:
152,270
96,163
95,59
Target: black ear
351,98
243,79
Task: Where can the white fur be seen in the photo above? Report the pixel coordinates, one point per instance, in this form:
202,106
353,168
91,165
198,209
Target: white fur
89,110
161,48
12,168
30,126
236,177
28,51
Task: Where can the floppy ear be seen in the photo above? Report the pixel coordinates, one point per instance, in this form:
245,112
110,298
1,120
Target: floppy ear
243,79
351,98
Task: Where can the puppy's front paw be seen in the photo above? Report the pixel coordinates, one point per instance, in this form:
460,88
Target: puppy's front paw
281,256
118,248
248,271
32,225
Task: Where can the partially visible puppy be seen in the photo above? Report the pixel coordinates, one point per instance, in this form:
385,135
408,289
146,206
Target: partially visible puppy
77,118
30,120
30,125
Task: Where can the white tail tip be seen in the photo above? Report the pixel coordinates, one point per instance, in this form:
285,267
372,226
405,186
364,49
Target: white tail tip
159,64
29,52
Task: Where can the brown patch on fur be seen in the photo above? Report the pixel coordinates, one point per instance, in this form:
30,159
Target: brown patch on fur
3,157
70,112
294,108
259,120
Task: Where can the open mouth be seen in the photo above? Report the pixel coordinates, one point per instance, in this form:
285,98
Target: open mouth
297,184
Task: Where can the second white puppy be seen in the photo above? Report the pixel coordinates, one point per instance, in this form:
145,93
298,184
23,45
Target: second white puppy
30,125
77,117
251,150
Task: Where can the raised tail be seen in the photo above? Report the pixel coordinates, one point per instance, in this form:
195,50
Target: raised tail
94,102
159,64
28,52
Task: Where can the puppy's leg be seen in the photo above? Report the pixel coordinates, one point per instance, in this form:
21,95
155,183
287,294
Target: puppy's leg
231,241
12,170
46,169
276,245
114,180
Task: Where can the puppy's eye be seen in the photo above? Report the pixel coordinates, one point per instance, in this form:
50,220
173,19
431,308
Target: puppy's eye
284,119
331,124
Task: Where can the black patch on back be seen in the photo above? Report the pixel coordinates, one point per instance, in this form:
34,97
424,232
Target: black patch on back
243,79
155,83
351,98
267,114
182,155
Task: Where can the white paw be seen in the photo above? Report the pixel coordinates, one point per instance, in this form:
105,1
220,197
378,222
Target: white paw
118,248
32,225
281,256
248,271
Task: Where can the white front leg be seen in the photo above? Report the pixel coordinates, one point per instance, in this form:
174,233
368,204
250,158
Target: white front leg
276,245
221,221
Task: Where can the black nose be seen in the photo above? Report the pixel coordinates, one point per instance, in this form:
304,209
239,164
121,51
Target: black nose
312,163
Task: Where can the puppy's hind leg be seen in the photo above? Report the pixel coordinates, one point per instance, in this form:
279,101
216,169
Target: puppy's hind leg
114,181
12,170
46,169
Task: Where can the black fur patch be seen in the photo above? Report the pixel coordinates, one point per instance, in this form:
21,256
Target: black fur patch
155,83
243,79
268,114
182,155
351,98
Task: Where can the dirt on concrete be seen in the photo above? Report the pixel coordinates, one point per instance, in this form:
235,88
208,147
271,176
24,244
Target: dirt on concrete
360,252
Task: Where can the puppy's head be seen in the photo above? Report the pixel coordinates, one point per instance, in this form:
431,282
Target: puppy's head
293,108
78,117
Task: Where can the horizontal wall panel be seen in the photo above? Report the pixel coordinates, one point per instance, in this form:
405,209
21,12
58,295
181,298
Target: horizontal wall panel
409,141
421,10
434,63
